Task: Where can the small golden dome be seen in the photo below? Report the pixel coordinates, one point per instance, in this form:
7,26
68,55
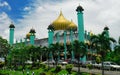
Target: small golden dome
72,26
28,35
61,23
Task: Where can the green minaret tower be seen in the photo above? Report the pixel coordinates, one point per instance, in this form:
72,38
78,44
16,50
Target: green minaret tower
80,23
80,27
32,36
50,34
11,35
106,30
50,38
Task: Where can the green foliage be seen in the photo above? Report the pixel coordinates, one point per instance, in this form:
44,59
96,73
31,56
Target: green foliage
90,66
69,67
42,65
98,60
28,66
2,64
58,68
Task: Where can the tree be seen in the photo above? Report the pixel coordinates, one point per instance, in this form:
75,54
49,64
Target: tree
55,48
79,50
4,48
102,45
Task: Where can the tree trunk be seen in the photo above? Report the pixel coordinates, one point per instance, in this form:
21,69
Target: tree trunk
102,66
79,65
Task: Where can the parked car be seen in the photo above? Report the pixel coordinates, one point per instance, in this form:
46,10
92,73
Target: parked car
62,62
111,66
49,62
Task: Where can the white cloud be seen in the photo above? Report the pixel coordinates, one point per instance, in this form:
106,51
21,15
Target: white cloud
97,14
5,4
27,8
4,25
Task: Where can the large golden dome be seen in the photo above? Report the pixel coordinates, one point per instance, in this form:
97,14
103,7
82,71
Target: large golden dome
61,23
72,26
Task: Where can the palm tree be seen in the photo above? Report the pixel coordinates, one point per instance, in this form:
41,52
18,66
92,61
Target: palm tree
102,44
79,50
55,48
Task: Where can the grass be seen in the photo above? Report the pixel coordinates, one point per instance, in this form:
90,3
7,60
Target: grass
51,71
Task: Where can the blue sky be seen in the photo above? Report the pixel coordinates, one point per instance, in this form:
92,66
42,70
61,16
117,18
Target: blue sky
15,8
38,14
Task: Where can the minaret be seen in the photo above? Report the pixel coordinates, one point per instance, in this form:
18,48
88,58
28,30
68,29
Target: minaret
80,23
11,35
81,36
50,34
32,36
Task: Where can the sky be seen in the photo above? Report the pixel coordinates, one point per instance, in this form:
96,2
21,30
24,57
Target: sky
38,14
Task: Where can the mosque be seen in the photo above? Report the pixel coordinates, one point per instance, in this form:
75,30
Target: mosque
60,30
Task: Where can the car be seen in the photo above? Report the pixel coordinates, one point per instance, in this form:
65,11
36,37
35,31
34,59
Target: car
111,65
62,62
49,62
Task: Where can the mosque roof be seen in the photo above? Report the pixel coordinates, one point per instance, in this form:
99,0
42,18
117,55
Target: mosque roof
61,23
72,26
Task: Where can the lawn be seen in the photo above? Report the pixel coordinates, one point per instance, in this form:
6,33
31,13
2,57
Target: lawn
38,71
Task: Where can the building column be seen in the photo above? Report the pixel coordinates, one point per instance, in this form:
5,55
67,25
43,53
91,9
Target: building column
11,34
50,41
80,27
65,47
71,38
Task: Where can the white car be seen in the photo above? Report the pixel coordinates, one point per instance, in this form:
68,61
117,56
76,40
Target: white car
49,62
111,65
62,62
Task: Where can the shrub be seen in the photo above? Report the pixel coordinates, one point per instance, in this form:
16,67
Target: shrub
42,73
58,68
42,65
89,66
28,66
69,67
1,64
98,60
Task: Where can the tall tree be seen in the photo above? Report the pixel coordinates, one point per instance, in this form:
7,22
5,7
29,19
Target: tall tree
79,50
4,48
102,44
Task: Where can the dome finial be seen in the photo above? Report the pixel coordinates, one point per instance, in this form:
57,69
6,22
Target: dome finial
11,25
79,8
61,12
106,27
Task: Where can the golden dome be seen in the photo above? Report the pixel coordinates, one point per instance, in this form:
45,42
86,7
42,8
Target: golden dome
28,35
72,26
61,23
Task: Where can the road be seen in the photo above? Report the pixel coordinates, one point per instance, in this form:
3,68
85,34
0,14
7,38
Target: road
95,71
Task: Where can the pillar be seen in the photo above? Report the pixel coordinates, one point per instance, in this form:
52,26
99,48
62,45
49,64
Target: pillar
71,38
11,34
65,47
80,27
80,23
32,36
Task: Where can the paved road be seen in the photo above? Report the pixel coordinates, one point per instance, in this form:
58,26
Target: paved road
96,71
